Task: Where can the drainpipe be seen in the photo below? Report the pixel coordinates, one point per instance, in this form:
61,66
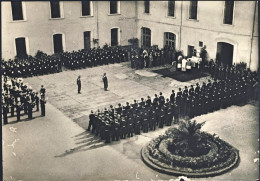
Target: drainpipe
97,22
252,36
180,26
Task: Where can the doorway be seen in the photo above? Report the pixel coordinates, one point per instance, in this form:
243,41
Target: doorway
87,40
20,47
225,53
57,42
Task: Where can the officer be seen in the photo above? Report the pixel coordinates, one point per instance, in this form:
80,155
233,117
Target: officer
18,110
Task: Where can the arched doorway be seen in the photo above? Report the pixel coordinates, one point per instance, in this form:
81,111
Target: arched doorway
225,53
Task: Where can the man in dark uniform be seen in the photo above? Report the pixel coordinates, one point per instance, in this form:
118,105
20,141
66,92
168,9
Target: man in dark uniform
79,84
42,91
42,102
172,97
105,81
18,110
91,121
5,111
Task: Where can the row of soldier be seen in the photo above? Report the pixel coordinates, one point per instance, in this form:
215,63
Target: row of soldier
31,66
94,57
122,121
43,64
150,57
17,97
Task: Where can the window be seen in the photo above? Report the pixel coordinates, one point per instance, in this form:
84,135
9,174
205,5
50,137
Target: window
114,7
228,12
169,39
171,7
20,47
200,44
86,8
193,9
57,43
146,6
146,37
17,10
55,9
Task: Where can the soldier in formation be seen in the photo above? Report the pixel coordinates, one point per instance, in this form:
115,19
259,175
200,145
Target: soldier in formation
18,97
148,114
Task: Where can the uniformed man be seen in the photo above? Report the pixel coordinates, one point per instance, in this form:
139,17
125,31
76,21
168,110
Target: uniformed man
42,91
91,121
79,84
42,102
172,97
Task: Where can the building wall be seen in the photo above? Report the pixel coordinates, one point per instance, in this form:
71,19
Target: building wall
38,28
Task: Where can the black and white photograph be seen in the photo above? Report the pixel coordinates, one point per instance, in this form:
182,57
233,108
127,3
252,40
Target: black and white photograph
130,90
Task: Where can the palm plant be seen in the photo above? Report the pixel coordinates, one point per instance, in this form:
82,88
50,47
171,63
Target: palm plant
187,140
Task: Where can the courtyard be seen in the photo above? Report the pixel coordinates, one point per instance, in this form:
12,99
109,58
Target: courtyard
58,147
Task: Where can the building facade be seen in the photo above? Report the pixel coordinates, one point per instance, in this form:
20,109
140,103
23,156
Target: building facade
229,29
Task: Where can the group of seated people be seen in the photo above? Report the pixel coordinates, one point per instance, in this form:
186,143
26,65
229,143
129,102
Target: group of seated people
124,121
94,57
18,96
150,57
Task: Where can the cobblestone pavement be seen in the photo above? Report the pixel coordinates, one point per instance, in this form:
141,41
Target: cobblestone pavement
56,148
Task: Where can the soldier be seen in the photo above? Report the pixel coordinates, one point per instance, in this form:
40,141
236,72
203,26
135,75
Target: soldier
119,109
172,97
5,111
42,91
42,102
107,132
145,122
137,124
123,128
105,81
117,130
91,121
130,127
155,100
30,108
79,84
18,110
162,118
161,98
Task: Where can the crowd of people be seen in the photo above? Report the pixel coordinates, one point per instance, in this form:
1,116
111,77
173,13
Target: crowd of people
94,57
18,96
151,57
43,64
120,122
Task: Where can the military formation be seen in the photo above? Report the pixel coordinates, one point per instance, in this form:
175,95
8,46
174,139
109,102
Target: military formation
115,123
43,64
18,97
151,57
94,57
31,66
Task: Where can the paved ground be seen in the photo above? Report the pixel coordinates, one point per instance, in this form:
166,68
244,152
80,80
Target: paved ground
56,148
